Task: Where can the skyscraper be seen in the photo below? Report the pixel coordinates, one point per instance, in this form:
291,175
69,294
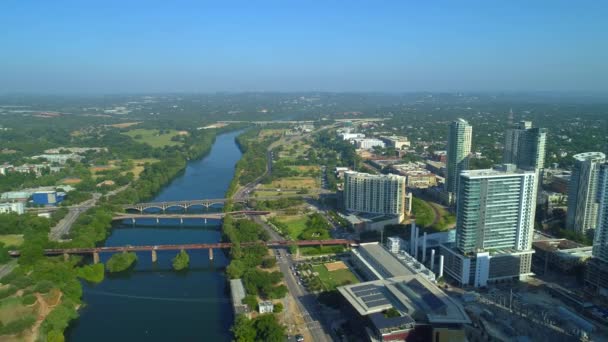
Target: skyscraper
459,148
525,146
494,225
600,241
583,201
596,277
377,194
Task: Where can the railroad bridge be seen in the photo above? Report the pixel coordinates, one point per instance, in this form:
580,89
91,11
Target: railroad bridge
95,251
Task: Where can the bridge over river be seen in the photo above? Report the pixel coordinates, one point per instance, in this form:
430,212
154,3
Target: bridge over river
207,203
95,251
181,217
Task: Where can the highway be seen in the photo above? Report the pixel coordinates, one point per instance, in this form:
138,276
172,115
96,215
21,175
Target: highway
307,302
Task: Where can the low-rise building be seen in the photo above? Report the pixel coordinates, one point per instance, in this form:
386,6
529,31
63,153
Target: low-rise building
420,310
415,175
265,307
436,167
561,255
12,207
368,143
351,136
396,141
59,158
237,292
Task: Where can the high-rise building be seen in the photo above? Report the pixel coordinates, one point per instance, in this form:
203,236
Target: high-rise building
525,146
459,147
596,277
377,194
494,226
583,201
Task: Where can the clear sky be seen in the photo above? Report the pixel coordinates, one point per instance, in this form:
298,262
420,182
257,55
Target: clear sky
90,46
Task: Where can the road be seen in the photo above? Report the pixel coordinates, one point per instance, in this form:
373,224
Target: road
62,228
307,302
7,268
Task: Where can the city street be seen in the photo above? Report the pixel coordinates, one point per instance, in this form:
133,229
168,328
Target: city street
306,302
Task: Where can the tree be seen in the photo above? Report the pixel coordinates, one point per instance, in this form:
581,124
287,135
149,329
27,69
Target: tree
268,329
278,308
181,260
121,261
243,329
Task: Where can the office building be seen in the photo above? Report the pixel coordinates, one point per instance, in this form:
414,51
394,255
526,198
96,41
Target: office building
396,141
459,148
376,194
525,146
368,143
583,201
494,226
596,277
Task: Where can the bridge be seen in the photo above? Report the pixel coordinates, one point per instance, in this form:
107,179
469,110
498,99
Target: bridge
95,251
206,203
181,217
176,204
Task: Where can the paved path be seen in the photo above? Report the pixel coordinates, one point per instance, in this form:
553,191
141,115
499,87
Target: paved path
7,268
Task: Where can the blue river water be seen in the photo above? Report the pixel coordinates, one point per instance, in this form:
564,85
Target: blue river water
153,302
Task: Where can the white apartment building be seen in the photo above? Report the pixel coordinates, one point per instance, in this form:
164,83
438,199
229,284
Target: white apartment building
377,194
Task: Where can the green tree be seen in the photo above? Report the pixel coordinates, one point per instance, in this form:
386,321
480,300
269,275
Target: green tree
243,329
181,261
121,261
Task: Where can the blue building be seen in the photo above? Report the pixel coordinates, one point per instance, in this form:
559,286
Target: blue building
47,197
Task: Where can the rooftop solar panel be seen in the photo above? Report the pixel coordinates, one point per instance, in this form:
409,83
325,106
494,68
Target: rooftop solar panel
427,296
375,303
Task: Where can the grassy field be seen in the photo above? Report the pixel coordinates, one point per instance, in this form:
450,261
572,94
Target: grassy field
138,165
294,151
12,239
432,215
11,309
333,279
293,183
271,132
296,224
152,137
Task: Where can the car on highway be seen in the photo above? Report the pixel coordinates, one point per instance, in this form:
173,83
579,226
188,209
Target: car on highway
299,338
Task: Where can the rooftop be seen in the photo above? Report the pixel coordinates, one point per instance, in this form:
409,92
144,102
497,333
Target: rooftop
589,156
504,170
412,295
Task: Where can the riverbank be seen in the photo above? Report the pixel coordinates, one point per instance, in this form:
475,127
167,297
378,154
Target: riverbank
92,228
193,303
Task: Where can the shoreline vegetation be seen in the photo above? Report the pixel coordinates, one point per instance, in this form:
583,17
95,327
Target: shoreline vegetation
37,274
250,263
120,262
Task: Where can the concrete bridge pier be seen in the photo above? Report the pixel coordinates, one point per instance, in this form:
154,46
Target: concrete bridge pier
181,220
205,221
210,254
157,220
133,221
66,257
95,257
154,256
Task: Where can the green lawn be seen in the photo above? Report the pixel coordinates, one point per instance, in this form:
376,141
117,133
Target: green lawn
425,216
153,137
336,278
296,224
12,239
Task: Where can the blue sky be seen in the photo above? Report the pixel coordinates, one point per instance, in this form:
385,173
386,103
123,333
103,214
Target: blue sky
206,46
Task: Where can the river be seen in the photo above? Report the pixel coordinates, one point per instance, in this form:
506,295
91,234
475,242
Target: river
154,303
